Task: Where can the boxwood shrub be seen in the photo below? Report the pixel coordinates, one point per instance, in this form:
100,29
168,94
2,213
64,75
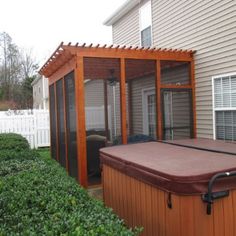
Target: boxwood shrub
37,197
13,141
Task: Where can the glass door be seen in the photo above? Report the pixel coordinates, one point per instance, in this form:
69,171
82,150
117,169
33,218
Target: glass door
149,113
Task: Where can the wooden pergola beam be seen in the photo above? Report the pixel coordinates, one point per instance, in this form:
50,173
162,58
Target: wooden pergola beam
130,53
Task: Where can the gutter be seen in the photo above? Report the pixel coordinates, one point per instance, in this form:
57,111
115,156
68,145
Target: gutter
121,11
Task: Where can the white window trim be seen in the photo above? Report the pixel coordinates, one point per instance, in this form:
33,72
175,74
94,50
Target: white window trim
213,101
140,37
145,92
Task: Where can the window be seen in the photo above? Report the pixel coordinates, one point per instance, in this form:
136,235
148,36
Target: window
145,17
224,107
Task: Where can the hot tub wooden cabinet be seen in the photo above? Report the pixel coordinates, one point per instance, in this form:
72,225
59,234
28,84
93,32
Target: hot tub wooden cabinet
163,188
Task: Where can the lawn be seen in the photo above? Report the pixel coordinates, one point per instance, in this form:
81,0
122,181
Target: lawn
37,197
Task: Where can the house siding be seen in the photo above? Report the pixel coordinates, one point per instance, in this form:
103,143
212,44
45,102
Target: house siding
209,27
40,94
126,31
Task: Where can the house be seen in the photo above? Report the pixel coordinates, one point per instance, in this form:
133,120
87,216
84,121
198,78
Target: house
40,93
209,27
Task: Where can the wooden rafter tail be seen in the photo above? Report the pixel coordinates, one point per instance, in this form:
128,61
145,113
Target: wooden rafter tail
61,44
158,49
111,46
189,51
97,46
104,46
141,49
77,44
152,49
123,47
90,45
147,49
130,47
83,45
69,44
136,48
117,46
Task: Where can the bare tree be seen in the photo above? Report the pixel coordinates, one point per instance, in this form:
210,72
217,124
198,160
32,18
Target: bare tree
17,70
28,64
10,69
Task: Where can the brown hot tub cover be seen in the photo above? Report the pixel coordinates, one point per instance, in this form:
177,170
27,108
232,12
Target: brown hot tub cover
171,168
206,144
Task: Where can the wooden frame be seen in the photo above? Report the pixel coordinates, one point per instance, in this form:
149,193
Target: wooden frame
69,58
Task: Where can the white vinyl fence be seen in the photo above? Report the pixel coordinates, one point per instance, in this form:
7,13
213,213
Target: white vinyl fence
31,124
35,127
95,117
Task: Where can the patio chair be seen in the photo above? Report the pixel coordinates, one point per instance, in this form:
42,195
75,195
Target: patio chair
94,143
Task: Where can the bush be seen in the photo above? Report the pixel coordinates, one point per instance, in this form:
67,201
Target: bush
13,141
37,197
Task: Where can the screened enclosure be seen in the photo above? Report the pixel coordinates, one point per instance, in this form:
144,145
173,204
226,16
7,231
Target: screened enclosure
112,95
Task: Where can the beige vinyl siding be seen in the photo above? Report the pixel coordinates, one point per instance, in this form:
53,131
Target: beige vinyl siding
206,26
127,29
94,93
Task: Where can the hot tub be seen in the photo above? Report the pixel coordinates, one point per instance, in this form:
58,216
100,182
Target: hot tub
171,190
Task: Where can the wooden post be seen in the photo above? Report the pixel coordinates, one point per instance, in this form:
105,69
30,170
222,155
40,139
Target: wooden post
123,101
192,76
130,107
80,122
159,127
106,108
57,138
65,124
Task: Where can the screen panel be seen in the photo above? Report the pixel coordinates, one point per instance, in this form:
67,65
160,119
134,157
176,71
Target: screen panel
71,124
53,121
177,114
61,124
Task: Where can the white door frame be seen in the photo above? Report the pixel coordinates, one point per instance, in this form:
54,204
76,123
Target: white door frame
145,93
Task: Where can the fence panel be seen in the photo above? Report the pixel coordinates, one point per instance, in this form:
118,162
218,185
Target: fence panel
35,127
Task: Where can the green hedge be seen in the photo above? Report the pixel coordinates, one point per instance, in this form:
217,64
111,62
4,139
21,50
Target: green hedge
13,141
37,197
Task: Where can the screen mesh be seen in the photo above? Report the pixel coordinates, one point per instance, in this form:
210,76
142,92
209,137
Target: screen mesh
71,124
61,125
177,116
53,121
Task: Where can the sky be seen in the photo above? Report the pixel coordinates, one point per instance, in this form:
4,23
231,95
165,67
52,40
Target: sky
40,26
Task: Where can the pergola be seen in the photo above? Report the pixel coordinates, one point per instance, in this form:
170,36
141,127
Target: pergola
97,62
